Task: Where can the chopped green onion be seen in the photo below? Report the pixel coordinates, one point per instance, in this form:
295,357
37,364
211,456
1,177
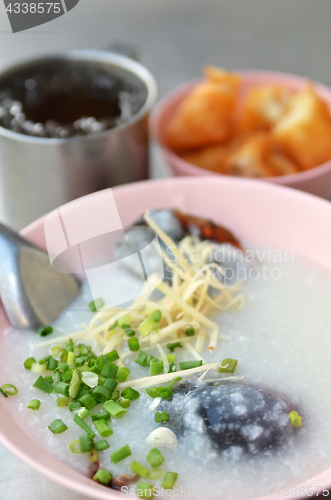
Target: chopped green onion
148,360
57,426
124,320
101,361
101,393
52,364
64,356
141,358
62,388
75,446
99,364
129,393
44,331
84,368
190,331
125,326
62,402
101,379
152,392
133,344
154,458
114,409
173,346
295,418
120,454
109,370
110,384
101,445
37,368
80,361
74,405
156,366
144,490
56,350
63,367
139,469
8,390
93,456
71,358
187,365
155,473
176,379
49,379
75,384
43,385
34,404
172,368
86,442
103,428
88,401
163,392
79,421
171,357
156,315
28,363
169,480
67,376
130,332
228,365
70,346
147,326
112,356
45,359
161,416
115,395
104,415
57,377
125,403
113,326
103,477
83,413
122,374
96,304
82,349
81,393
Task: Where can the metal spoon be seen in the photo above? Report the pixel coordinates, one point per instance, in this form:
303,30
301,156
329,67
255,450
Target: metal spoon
32,293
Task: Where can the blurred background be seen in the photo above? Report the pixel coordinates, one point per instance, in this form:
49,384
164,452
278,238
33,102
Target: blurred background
174,38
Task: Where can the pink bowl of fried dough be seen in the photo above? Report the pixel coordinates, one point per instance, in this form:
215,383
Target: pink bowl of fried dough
274,127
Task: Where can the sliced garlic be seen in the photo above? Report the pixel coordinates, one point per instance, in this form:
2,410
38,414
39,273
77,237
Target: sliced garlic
162,437
90,379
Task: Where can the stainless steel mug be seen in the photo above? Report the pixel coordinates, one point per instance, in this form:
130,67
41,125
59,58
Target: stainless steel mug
39,174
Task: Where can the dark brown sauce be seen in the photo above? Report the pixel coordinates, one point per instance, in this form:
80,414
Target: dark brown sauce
68,107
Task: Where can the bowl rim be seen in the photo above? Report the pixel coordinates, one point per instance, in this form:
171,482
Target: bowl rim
177,94
74,481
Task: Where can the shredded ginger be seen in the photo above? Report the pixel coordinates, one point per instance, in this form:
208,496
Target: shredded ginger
184,305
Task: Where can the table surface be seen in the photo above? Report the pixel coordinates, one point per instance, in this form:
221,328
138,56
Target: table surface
174,39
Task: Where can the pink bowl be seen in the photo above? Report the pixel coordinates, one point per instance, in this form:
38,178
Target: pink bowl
315,181
256,212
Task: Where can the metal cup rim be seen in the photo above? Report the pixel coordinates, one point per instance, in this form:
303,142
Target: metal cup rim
102,56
